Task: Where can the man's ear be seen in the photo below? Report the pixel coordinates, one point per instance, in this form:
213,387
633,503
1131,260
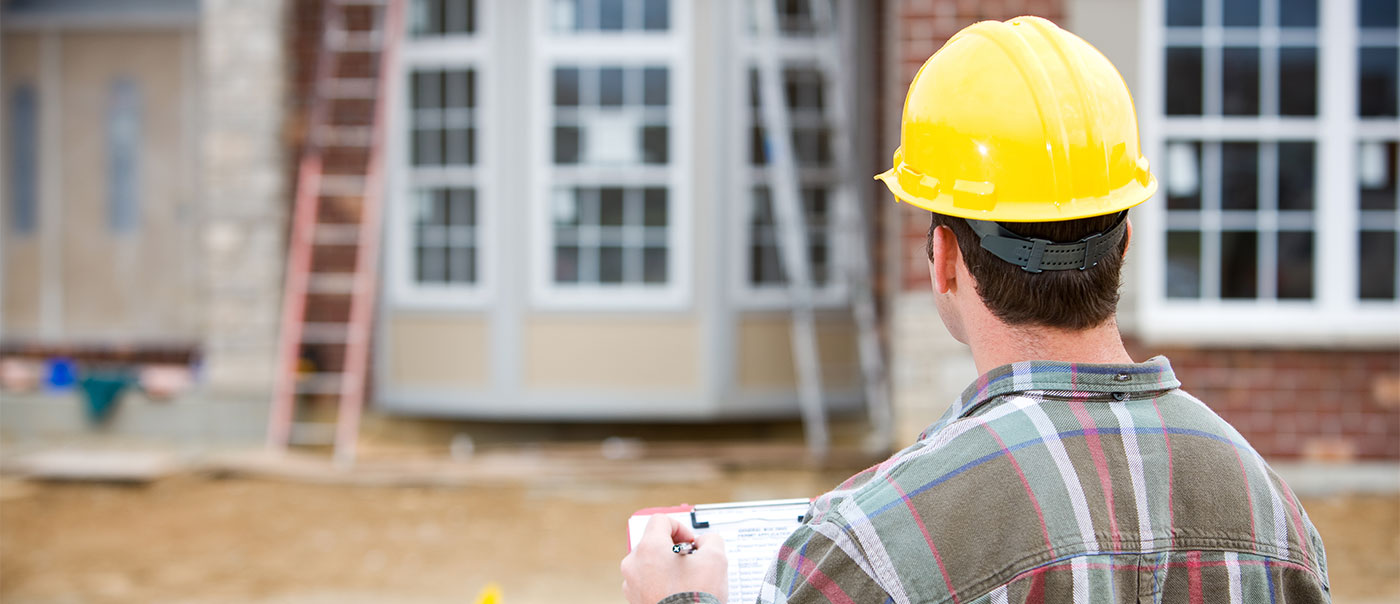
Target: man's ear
943,264
1127,235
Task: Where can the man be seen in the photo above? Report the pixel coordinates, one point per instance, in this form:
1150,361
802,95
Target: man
1067,472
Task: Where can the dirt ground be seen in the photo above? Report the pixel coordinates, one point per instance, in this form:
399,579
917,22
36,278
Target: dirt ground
203,540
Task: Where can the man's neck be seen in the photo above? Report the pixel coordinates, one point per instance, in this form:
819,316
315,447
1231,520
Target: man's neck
995,344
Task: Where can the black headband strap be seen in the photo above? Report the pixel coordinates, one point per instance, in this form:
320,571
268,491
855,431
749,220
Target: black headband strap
1036,255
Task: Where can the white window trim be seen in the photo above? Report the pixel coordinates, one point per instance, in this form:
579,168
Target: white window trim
627,48
810,50
1336,316
471,52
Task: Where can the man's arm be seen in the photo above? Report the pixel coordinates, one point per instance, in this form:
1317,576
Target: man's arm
812,569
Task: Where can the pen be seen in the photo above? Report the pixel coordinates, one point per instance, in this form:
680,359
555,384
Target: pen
685,547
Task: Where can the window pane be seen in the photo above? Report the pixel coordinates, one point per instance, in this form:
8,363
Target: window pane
654,212
427,93
804,88
566,267
566,86
1376,89
610,264
1295,265
1376,167
656,14
425,17
462,265
1240,13
610,206
654,141
1240,81
1297,81
23,157
1183,264
1184,13
1183,85
1239,264
654,84
1239,176
1298,13
610,87
124,126
1295,176
654,265
610,15
566,144
1376,278
1183,181
1378,13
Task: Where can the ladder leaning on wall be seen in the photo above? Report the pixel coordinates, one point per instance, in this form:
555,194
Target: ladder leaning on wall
829,16
333,247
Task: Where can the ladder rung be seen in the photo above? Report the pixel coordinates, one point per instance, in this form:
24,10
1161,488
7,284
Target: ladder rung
337,234
354,41
345,136
319,383
331,283
312,433
342,185
351,88
325,333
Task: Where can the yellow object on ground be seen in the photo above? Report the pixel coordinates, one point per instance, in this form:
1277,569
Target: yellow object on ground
491,594
1019,121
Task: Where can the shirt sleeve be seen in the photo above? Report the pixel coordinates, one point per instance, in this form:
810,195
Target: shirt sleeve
812,569
690,597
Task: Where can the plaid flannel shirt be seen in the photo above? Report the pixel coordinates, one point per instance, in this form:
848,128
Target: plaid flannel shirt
1059,482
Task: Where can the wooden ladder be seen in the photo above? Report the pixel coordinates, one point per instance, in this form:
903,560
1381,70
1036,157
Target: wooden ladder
333,248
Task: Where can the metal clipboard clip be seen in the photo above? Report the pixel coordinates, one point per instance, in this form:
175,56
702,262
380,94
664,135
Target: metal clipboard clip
702,516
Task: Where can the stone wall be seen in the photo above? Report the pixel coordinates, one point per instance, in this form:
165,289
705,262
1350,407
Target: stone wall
245,190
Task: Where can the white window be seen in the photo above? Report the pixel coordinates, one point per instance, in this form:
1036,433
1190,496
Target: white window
23,151
439,211
609,220
123,155
806,36
1272,126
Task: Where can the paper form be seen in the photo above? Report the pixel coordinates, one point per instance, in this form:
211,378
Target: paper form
753,532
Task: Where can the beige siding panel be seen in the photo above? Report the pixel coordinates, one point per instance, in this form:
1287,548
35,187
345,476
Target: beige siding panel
612,353
438,352
765,353
20,254
138,284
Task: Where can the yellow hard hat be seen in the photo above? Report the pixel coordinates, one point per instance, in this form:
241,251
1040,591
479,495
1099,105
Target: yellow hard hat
1019,121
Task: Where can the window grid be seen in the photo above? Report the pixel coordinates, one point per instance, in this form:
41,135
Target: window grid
1309,264
610,185
124,125
440,211
23,157
804,32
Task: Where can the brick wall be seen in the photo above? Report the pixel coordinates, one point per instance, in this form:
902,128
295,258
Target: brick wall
1313,404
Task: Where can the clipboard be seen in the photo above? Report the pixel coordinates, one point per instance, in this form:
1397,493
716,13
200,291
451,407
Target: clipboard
753,532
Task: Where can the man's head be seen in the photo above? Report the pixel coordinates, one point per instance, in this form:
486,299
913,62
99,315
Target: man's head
1021,139
1059,299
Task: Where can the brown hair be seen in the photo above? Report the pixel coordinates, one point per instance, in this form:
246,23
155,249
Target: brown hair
1066,299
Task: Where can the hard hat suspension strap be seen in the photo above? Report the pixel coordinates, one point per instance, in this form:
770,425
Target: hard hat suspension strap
1036,255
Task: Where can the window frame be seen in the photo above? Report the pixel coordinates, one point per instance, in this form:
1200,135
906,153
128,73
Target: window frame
472,51
1335,315
792,51
593,49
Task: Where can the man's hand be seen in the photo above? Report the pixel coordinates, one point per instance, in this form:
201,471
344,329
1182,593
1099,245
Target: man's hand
652,571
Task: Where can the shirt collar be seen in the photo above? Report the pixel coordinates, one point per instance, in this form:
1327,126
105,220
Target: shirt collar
1078,378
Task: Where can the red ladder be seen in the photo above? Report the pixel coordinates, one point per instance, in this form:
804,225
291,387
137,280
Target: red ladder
333,252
